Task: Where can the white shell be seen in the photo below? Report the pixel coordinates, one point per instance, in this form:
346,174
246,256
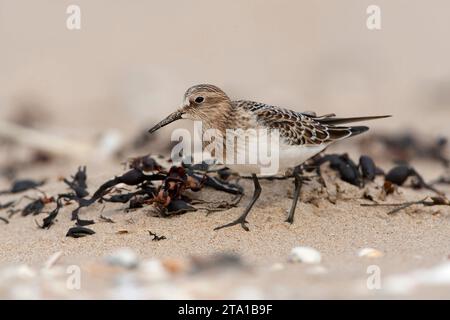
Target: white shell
305,255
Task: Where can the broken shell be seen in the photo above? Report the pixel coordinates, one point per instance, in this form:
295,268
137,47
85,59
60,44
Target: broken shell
370,253
305,255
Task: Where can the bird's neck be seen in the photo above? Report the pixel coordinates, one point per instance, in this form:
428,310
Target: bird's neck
219,118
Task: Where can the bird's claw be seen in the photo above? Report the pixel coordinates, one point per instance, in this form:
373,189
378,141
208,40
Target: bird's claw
242,222
290,220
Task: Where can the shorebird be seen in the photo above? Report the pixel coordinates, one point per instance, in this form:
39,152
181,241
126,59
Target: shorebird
302,135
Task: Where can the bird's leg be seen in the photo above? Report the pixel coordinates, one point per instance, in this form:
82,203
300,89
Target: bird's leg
298,185
241,220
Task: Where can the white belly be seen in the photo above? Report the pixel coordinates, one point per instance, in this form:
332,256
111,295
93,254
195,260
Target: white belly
293,156
264,157
289,157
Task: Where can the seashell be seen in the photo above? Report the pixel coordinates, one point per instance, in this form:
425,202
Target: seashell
305,255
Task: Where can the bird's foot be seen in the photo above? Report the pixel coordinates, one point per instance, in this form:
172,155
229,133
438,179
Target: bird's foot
240,221
289,219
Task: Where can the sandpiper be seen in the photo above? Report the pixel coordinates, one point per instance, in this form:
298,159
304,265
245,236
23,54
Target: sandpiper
302,134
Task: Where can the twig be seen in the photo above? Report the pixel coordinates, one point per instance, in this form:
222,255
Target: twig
156,237
435,201
106,219
43,141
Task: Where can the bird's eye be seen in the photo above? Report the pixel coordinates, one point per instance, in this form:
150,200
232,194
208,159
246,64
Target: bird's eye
199,99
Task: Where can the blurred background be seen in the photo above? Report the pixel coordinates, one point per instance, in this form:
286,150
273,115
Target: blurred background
131,61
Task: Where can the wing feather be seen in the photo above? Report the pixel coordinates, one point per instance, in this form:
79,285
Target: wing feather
298,128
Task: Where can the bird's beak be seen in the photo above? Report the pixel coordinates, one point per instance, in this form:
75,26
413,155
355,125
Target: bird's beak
169,119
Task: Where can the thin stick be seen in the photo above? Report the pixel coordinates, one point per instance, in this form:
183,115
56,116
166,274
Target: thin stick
400,206
43,141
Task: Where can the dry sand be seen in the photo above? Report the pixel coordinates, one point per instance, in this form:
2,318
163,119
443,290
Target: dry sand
411,239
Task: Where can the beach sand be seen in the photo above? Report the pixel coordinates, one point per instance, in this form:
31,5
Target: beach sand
411,239
129,66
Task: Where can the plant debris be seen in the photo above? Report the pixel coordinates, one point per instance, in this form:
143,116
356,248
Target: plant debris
23,185
36,206
49,220
407,146
368,167
347,168
6,205
78,232
428,201
78,183
82,223
147,183
106,219
144,163
156,237
399,174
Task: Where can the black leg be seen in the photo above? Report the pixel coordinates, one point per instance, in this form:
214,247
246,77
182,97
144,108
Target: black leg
241,220
298,186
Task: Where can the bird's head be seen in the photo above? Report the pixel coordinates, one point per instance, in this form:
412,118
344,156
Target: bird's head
203,102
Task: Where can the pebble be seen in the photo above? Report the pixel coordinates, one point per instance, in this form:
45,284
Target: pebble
305,255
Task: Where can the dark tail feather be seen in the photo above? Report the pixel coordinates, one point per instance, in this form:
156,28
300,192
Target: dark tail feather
338,133
335,121
358,130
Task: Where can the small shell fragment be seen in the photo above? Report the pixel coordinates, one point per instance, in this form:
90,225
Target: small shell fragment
305,255
370,253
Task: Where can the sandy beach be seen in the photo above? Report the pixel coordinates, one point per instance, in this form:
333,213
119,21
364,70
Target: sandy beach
416,238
